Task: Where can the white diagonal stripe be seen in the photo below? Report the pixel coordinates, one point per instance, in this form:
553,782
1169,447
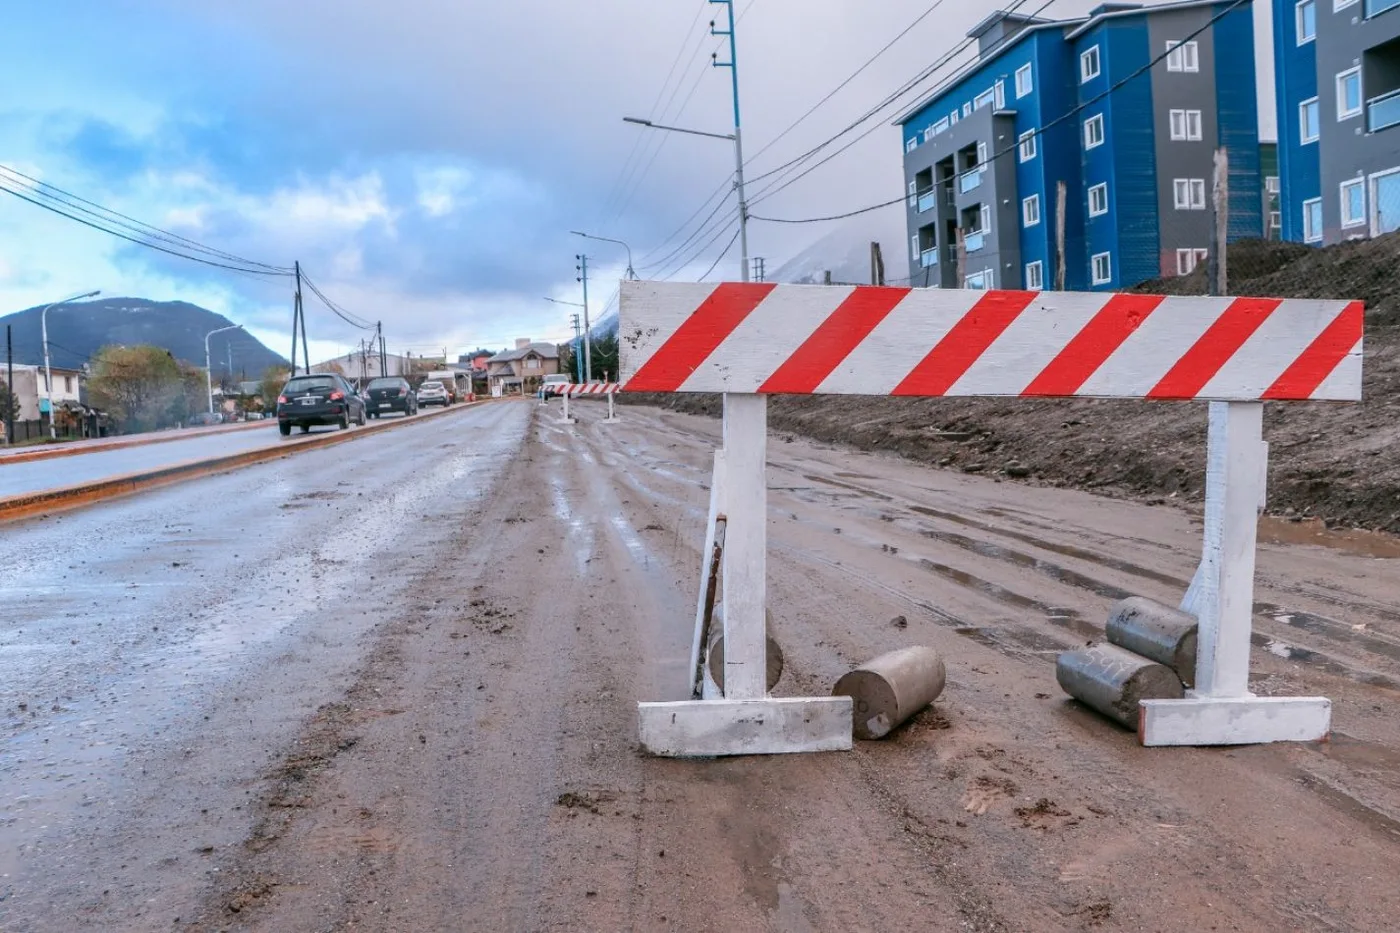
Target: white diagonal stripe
1030,343
1271,349
649,313
1154,348
1343,383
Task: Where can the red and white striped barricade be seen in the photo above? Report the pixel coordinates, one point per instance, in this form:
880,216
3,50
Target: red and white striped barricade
753,340
608,389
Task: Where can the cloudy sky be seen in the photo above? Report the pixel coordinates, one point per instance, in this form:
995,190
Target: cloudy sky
425,160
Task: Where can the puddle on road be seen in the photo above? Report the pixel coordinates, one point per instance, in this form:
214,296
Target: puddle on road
1352,541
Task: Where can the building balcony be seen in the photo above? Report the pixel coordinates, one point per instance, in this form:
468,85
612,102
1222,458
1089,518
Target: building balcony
973,242
970,181
1384,111
928,200
1377,7
929,257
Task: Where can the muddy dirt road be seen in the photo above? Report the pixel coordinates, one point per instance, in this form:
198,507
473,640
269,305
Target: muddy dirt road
451,744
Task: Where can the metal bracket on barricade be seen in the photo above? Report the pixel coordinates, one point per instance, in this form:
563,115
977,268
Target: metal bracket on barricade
608,389
752,340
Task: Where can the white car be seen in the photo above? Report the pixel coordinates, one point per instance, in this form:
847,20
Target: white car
432,392
550,387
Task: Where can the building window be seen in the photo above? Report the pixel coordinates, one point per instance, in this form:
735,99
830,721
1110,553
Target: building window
1093,131
1027,145
1275,220
981,281
1312,220
1024,83
1183,56
1098,200
68,384
967,110
1341,4
910,143
1030,210
1186,125
941,126
913,193
986,219
1089,64
1189,194
985,99
914,246
1349,94
1305,15
1101,268
1000,89
953,118
1353,203
1271,184
1308,124
1188,259
532,363
1035,276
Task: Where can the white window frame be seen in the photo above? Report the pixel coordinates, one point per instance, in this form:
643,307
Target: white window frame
1035,276
1342,112
1025,81
1000,97
1102,188
1185,261
910,143
1091,55
953,118
1271,184
967,109
987,276
986,99
1183,57
1030,211
1025,145
1311,235
1095,121
941,126
1361,219
913,192
986,220
1298,21
1194,133
1342,4
1189,194
1185,125
1275,220
1107,276
1303,121
914,245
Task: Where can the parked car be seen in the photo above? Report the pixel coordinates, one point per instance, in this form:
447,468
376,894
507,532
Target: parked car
206,418
323,398
550,387
432,392
389,394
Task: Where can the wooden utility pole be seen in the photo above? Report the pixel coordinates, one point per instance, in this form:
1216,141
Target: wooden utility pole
1061,195
961,260
877,265
1220,230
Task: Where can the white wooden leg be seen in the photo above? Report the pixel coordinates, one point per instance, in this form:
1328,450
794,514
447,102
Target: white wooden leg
567,419
612,411
745,546
1221,710
706,556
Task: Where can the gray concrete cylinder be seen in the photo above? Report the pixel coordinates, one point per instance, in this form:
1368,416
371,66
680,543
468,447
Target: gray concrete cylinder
715,655
1112,680
1158,633
887,690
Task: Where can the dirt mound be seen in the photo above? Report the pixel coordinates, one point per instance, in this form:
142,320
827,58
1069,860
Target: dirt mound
1337,462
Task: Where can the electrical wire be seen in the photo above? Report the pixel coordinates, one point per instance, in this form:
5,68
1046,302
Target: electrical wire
720,257
337,310
1034,133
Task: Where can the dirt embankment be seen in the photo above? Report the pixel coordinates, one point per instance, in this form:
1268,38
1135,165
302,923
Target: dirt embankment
1336,462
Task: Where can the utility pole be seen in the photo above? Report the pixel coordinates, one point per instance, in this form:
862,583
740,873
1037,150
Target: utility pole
578,360
733,66
296,316
1060,195
383,363
877,265
587,337
759,271
208,366
10,388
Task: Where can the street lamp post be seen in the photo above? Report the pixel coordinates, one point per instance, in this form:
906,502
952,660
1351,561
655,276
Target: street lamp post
208,377
578,361
48,371
588,236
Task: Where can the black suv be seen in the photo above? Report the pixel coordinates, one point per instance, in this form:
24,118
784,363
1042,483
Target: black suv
322,398
390,393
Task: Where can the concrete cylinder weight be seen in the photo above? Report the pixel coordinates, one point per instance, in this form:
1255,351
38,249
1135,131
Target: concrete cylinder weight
1112,680
1158,633
715,656
889,689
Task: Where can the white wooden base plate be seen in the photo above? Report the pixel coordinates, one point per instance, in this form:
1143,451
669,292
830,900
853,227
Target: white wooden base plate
771,726
1248,720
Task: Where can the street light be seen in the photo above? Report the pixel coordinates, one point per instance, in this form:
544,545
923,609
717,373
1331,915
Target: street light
738,170
48,372
572,304
208,378
589,236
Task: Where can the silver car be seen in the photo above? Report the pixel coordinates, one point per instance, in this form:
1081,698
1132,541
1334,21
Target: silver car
432,392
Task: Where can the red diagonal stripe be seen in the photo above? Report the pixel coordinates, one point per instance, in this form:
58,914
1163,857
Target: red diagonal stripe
698,336
834,339
961,346
1301,379
1088,349
1213,350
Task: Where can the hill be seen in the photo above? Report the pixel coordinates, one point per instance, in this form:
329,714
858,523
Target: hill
79,330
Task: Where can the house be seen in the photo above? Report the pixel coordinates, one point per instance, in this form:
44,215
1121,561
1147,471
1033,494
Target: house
360,364
523,369
1337,72
1078,106
68,390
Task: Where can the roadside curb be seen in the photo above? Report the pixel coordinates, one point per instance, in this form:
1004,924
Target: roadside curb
29,456
32,504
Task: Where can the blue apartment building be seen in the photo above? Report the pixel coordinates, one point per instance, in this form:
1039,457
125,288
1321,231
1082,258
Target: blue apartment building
1077,106
1337,76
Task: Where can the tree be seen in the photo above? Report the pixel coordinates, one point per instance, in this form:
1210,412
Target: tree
273,379
605,360
9,404
141,387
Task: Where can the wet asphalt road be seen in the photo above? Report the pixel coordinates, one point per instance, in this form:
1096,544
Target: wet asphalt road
158,650
36,475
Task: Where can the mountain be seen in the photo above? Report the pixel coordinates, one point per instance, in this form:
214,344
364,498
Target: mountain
845,251
79,330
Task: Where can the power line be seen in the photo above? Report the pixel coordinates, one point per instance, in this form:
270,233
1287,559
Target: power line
699,232
336,309
1034,133
720,257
